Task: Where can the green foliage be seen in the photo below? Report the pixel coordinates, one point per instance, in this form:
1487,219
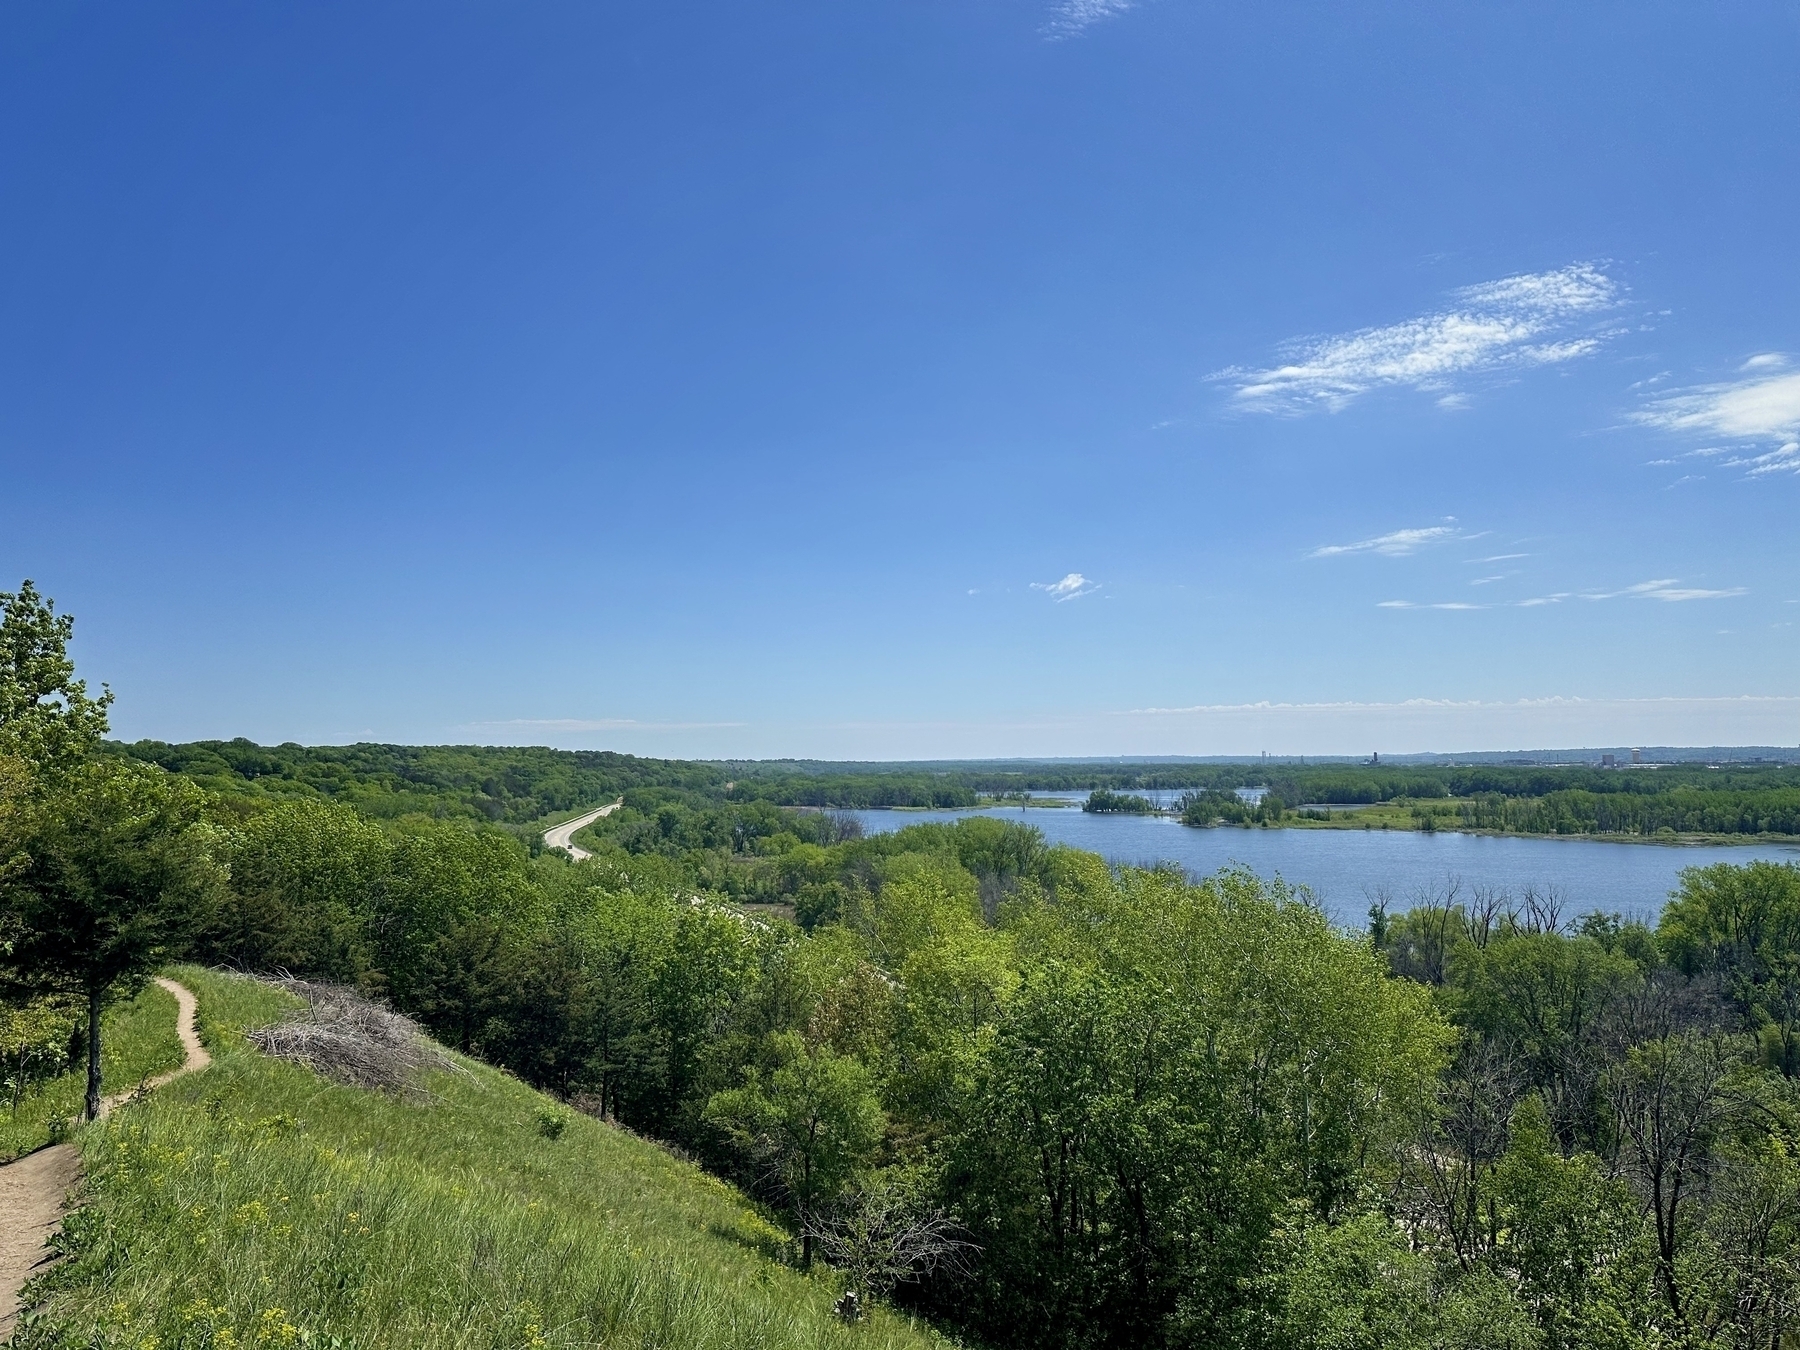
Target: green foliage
1180,1065
1741,925
1215,807
1358,1286
503,784
1104,802
110,873
519,786
35,1039
46,716
112,868
1681,809
551,1123
850,791
1541,998
809,1115
304,874
1571,1239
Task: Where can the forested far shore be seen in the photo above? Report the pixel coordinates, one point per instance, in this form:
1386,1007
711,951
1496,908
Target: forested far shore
519,787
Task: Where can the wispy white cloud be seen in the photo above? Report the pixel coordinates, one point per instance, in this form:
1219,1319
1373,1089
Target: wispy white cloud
1762,409
1071,18
1511,322
1397,544
1071,587
1499,557
1666,588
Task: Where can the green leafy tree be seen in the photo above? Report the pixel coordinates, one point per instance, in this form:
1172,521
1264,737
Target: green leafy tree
1676,1099
1542,998
46,715
1355,1286
1742,925
812,1120
1126,803
307,881
1743,1270
1571,1239
1178,1066
111,874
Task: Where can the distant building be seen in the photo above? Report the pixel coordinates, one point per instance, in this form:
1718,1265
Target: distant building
1609,761
1637,756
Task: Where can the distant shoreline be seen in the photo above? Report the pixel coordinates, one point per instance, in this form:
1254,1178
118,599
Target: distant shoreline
1665,841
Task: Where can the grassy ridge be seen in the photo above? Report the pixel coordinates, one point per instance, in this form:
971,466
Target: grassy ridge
255,1204
137,1041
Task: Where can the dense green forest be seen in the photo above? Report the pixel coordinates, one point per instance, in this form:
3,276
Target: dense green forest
505,784
519,786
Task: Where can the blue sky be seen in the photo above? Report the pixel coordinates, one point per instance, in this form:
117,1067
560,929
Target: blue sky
981,377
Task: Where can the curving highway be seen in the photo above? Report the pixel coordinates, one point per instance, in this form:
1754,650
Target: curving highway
560,836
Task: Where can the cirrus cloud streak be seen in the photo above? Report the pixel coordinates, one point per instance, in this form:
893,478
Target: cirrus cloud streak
1516,321
1395,544
1761,408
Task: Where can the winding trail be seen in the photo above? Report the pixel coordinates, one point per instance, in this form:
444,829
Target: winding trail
560,836
32,1190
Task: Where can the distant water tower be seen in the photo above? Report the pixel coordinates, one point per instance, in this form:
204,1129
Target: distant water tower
1637,756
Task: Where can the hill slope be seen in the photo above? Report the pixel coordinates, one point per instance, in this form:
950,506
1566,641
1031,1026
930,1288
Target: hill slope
256,1204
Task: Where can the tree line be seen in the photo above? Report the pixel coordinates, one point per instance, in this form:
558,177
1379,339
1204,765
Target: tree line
503,784
1680,810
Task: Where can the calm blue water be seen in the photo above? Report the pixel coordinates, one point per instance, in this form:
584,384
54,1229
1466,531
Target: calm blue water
1348,868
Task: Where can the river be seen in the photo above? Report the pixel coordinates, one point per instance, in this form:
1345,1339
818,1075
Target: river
1346,869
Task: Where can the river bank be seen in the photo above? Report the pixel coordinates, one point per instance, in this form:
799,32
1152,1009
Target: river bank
1351,868
1398,815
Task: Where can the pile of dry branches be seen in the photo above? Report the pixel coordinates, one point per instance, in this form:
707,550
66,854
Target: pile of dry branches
350,1039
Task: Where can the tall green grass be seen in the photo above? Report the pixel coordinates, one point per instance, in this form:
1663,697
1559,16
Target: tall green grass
255,1204
137,1041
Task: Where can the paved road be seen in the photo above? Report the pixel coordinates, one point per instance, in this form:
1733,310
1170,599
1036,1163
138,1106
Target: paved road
558,836
32,1189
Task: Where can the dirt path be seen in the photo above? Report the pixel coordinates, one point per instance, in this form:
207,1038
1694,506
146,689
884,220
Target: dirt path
32,1190
558,836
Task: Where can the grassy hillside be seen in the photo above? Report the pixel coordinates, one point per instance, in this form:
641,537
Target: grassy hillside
137,1041
255,1204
